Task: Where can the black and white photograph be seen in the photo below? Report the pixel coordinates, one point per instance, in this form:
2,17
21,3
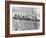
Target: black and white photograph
26,18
